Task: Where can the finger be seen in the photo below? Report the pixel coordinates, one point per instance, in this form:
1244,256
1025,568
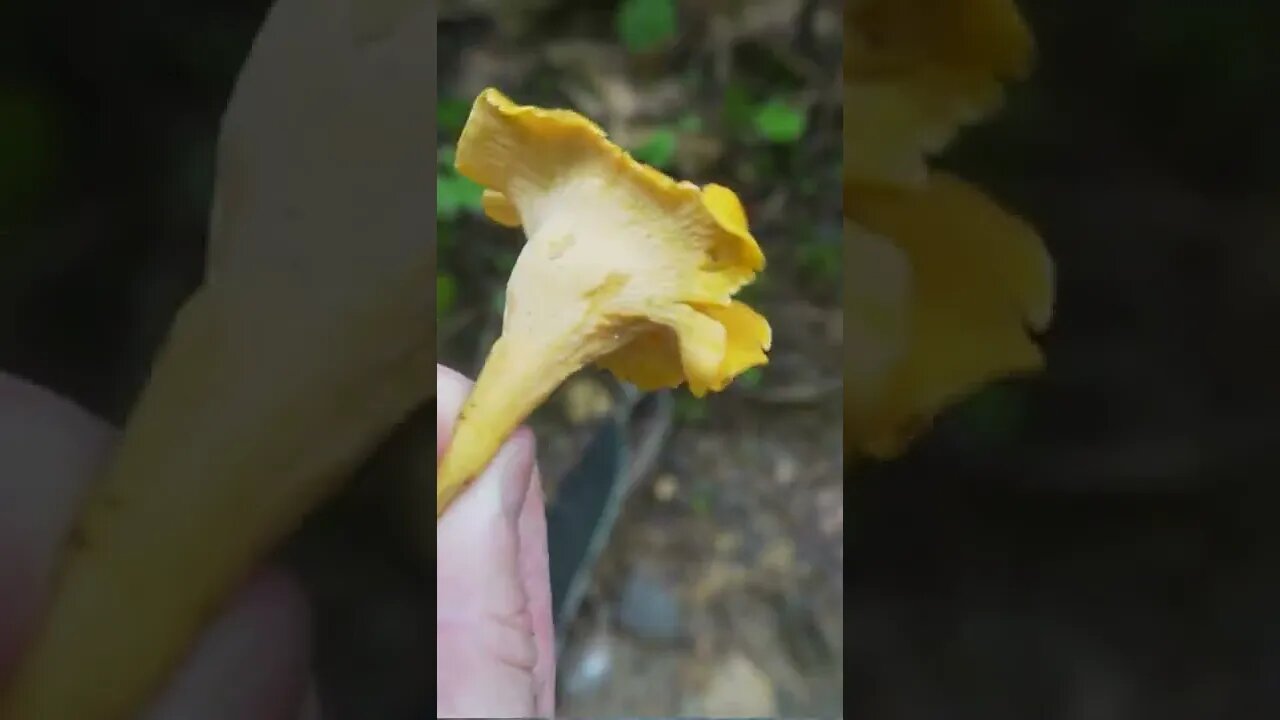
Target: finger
486,647
532,562
535,573
251,663
50,449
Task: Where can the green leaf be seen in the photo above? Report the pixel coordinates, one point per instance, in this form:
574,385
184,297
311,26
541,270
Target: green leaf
751,378
445,155
456,195
451,114
644,25
446,295
446,197
659,149
779,122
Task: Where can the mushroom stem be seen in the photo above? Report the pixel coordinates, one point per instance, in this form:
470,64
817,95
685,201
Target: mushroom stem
510,387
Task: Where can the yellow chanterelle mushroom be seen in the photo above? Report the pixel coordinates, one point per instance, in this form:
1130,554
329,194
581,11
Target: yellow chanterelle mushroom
623,267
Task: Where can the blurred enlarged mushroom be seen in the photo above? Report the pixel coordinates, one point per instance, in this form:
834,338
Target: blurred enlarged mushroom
309,340
946,286
979,281
623,266
917,70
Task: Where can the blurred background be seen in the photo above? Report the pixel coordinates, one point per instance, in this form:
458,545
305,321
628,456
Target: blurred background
1099,542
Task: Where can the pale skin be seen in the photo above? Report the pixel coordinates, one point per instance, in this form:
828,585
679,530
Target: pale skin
493,637
494,641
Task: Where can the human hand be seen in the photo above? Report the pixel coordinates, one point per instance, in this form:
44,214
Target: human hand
494,642
250,663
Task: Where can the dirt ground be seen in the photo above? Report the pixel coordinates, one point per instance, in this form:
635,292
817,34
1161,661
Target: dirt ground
721,592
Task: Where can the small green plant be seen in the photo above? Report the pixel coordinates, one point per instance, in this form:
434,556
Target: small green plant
660,147
659,150
779,122
455,194
773,120
751,378
646,25
451,115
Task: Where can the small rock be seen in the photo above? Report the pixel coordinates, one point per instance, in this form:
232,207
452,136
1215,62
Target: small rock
591,667
666,487
738,688
649,608
786,470
586,399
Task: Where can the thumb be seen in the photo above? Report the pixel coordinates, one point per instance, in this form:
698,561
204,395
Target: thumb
494,500
492,628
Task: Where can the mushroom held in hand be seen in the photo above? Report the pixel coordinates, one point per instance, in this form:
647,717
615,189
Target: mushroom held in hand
623,266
